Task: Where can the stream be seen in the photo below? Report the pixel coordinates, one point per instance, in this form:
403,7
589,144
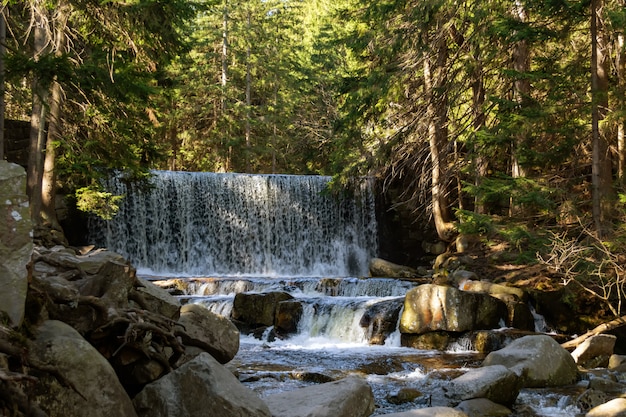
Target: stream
330,344
223,234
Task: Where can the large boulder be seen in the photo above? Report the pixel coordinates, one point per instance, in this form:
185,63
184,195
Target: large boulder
431,307
495,383
539,359
201,387
209,332
257,309
84,383
16,242
348,397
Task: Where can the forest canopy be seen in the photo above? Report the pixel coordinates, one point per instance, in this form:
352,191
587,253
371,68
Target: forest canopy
462,109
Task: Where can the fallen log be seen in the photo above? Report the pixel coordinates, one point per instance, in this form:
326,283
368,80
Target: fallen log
603,328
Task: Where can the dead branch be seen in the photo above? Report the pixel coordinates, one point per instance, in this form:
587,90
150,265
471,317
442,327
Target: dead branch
603,328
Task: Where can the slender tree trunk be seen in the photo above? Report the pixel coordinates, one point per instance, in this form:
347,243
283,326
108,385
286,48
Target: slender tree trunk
601,161
48,184
248,96
435,78
225,139
3,39
37,125
521,89
620,65
478,101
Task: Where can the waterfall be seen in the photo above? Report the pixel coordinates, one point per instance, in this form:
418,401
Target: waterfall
237,224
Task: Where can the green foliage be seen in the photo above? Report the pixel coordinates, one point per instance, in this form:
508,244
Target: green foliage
95,201
471,223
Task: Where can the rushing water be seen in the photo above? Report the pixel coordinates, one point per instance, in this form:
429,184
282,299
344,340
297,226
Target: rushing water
261,233
238,224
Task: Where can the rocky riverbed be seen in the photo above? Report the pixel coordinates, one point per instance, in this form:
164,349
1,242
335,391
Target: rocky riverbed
82,334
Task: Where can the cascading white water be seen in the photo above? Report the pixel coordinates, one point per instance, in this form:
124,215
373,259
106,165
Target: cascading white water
239,224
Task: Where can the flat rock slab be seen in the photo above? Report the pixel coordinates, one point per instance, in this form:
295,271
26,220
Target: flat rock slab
348,397
429,412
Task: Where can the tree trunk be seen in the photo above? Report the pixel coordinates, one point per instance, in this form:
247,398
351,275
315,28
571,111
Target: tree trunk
37,124
478,101
435,78
601,161
48,185
521,90
620,65
3,39
248,96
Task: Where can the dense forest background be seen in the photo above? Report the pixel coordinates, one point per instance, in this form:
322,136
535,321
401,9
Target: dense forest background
481,117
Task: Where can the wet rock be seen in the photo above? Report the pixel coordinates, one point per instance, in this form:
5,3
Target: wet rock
209,332
407,395
316,377
382,367
430,412
613,408
288,314
385,269
482,407
257,310
485,341
495,383
590,398
348,397
607,384
432,307
426,341
595,351
200,387
90,386
539,359
381,319
16,241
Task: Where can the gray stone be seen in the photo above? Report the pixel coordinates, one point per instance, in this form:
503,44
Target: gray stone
495,383
482,407
539,359
158,300
208,331
432,307
95,390
16,243
201,387
348,397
